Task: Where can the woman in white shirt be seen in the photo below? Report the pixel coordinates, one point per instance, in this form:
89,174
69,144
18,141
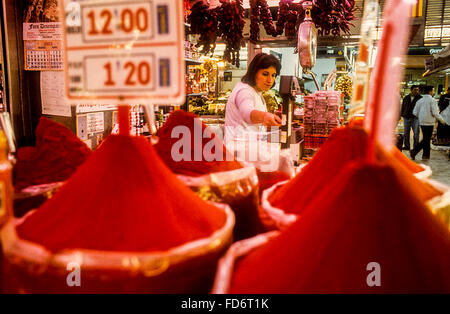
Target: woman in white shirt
246,109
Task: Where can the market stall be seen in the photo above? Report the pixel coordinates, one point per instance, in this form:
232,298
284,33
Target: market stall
132,186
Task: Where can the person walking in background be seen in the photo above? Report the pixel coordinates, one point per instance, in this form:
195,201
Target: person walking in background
409,120
443,131
427,111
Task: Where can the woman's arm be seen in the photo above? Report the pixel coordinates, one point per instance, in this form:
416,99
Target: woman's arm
266,118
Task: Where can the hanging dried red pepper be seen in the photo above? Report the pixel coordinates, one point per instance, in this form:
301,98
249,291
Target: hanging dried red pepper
330,17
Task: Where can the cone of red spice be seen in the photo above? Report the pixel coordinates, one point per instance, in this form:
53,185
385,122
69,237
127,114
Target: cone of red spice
343,146
193,167
124,199
233,183
368,213
56,156
421,171
268,179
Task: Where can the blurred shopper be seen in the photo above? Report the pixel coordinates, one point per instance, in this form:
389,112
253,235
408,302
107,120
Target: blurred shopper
443,131
409,120
427,111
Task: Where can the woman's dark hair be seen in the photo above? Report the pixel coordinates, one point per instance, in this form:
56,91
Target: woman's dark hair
260,61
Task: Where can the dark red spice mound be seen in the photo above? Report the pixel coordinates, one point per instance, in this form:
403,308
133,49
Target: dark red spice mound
343,146
267,179
193,167
366,214
122,199
57,155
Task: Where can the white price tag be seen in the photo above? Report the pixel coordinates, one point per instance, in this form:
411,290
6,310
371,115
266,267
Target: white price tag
123,51
95,122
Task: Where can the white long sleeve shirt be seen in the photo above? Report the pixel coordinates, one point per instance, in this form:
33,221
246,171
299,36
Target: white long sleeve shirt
427,111
243,100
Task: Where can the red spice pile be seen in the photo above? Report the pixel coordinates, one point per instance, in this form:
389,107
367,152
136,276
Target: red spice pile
343,146
57,155
409,164
192,167
122,199
367,213
267,179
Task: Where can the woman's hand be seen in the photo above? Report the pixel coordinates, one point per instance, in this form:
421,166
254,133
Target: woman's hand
271,119
265,118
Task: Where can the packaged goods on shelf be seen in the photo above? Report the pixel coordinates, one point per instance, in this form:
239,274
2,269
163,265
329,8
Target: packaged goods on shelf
321,116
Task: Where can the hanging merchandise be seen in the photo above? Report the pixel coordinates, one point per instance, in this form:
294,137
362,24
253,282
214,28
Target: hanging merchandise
227,20
126,222
231,27
226,180
307,39
362,72
57,155
345,85
204,22
365,232
333,16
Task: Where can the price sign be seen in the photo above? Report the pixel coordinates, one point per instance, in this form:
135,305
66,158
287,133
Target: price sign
122,52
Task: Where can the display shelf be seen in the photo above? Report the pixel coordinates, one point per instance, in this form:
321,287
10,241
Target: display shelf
192,61
197,94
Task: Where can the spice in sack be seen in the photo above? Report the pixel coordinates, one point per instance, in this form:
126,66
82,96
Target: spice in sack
201,156
366,217
122,199
57,155
343,146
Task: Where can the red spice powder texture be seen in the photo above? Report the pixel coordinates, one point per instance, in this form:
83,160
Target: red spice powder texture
192,168
122,199
267,179
57,155
343,146
368,213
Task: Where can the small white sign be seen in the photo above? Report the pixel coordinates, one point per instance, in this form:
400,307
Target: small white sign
95,122
124,52
52,94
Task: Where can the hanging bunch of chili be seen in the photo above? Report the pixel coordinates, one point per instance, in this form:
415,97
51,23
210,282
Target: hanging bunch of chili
227,21
333,16
231,27
204,22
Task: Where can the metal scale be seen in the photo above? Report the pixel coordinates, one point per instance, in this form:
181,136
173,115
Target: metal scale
289,85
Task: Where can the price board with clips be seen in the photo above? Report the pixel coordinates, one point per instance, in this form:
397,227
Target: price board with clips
127,51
